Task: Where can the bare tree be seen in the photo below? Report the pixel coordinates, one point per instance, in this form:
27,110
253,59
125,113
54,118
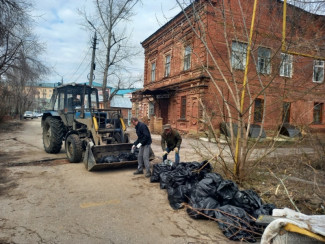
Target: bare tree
237,89
14,26
110,24
22,77
20,67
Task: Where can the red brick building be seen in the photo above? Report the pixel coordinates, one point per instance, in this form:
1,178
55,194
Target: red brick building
195,66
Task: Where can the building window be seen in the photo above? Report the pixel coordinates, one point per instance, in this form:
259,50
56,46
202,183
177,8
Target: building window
151,109
318,75
264,60
187,57
286,65
153,71
61,105
318,113
183,107
238,55
258,110
167,66
286,112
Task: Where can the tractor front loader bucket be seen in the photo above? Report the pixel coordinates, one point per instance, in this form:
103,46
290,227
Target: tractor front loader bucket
94,154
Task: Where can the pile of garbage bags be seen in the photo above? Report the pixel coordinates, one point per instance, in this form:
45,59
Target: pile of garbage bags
122,157
208,196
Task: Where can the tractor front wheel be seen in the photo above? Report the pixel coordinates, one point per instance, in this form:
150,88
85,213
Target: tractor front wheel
73,148
53,131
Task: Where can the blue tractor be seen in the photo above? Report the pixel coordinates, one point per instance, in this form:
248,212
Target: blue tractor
76,119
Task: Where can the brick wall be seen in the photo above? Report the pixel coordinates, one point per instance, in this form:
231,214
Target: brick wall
216,93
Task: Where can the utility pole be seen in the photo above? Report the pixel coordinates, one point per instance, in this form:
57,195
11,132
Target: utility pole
92,64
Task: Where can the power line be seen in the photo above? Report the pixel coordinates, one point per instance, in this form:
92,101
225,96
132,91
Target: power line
82,72
71,76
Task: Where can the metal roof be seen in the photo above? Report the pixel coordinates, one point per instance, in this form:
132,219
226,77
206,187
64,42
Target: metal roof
124,91
121,102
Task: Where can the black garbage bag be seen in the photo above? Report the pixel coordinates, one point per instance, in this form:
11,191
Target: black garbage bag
265,209
174,178
108,159
157,170
179,177
203,208
204,198
177,196
199,169
124,156
207,186
164,179
247,200
182,173
226,191
236,224
205,168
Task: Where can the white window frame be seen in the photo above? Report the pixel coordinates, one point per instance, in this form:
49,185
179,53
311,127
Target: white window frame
153,71
167,65
264,60
318,71
238,55
286,65
187,57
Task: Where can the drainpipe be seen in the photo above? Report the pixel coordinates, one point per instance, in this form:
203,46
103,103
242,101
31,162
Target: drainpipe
245,83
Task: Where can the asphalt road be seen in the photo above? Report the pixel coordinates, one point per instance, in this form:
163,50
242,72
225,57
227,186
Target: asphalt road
45,199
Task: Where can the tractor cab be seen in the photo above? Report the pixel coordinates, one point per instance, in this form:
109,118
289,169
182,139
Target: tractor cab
74,101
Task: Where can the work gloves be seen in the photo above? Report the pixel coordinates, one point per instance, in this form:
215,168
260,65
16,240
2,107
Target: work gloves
175,150
135,146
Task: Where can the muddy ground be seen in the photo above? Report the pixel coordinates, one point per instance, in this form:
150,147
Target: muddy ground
45,199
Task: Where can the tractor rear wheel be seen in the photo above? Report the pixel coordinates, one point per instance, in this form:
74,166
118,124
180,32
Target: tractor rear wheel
73,148
53,132
126,138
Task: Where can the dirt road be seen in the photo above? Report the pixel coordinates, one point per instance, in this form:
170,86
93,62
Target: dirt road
44,200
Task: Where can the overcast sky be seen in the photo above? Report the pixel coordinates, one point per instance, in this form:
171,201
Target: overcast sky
68,45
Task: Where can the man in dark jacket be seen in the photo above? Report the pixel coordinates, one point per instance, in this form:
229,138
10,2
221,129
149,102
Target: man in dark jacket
173,139
144,144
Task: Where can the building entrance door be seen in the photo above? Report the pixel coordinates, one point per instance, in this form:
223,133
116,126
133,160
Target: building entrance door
164,110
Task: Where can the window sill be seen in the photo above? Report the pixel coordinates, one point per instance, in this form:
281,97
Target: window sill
185,71
183,120
264,74
283,76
